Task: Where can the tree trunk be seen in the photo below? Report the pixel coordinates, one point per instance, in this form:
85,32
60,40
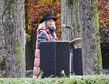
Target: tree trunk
70,17
92,62
1,40
12,42
30,50
30,44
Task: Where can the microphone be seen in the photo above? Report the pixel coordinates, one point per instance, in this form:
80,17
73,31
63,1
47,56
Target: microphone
65,26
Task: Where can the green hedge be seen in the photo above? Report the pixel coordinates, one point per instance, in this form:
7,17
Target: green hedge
71,80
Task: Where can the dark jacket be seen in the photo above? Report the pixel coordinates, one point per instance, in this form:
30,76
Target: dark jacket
42,37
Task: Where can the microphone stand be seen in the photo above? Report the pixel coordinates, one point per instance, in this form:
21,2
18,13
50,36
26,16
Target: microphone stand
72,28
74,47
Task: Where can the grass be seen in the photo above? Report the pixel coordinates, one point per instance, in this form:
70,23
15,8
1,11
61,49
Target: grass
70,80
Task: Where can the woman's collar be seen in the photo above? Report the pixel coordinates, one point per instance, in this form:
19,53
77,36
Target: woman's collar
51,28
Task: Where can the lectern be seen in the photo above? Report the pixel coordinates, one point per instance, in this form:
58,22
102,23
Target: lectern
54,58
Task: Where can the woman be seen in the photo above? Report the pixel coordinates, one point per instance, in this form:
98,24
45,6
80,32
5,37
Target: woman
45,32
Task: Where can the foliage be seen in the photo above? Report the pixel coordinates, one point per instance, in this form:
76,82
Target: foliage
36,9
103,10
71,80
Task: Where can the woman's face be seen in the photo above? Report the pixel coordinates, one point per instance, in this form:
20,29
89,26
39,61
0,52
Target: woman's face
49,22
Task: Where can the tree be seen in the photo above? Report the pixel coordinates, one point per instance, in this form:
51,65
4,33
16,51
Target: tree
70,17
12,38
92,61
84,14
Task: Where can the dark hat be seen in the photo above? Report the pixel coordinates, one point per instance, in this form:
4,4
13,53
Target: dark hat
48,16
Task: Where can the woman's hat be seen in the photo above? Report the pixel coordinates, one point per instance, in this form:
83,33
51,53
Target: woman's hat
48,16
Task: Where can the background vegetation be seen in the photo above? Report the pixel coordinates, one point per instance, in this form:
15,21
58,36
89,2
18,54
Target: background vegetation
71,80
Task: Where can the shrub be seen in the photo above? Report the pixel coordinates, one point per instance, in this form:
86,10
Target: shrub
70,80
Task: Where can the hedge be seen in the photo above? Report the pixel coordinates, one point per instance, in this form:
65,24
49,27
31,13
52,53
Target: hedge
70,80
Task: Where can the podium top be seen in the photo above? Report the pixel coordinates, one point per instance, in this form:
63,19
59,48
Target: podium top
55,42
76,41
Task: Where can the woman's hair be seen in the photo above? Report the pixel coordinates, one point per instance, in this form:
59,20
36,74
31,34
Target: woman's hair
43,24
